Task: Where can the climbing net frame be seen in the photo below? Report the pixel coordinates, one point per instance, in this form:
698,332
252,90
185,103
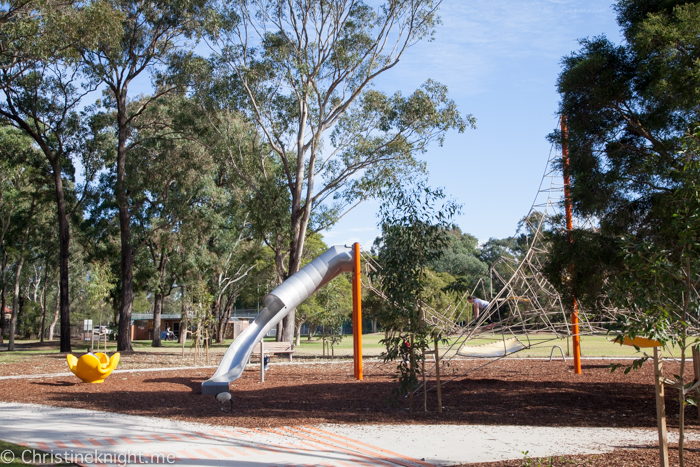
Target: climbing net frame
527,310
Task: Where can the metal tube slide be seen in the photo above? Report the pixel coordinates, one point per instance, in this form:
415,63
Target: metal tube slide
278,303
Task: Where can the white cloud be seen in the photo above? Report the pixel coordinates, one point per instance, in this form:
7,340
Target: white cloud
479,38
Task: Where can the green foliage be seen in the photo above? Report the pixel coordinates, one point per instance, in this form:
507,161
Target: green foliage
335,307
461,260
198,320
628,129
414,222
186,183
330,139
632,114
100,283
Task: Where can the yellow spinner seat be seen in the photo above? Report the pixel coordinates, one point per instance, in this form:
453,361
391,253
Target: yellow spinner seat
92,368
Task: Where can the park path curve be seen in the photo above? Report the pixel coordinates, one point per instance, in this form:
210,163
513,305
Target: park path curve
101,438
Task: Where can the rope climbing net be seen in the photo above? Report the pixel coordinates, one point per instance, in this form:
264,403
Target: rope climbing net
526,310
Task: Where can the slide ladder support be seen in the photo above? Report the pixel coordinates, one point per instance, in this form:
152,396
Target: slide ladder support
357,312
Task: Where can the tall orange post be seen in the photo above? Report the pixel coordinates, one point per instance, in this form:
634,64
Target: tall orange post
570,228
357,312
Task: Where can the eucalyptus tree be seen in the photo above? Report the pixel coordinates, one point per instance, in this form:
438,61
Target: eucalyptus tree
41,261
302,71
29,210
150,33
233,255
312,309
42,94
42,102
11,187
159,251
414,222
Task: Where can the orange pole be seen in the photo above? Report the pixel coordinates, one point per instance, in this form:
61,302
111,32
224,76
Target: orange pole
357,313
569,229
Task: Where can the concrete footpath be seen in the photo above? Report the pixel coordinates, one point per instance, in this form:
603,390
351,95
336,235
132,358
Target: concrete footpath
88,437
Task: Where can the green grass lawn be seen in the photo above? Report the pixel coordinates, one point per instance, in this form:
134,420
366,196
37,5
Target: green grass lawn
591,346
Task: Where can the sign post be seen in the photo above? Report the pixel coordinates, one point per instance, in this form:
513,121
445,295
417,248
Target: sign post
87,327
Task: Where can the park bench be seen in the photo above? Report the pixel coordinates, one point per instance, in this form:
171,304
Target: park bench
271,348
275,348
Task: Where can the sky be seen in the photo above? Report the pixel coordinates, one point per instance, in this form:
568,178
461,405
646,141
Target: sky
500,60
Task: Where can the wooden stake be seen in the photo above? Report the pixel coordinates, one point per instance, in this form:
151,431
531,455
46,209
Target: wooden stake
262,360
412,372
696,367
425,388
660,408
437,375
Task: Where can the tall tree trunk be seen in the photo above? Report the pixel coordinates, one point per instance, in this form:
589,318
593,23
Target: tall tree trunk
127,254
42,304
25,333
116,306
64,254
300,221
183,318
158,302
297,332
225,316
217,312
157,311
3,302
289,322
57,313
127,280
280,276
18,276
279,336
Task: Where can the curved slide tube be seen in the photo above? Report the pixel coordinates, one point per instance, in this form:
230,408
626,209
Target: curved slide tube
278,303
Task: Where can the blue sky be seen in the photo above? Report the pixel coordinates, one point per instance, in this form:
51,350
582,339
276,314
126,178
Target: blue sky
500,60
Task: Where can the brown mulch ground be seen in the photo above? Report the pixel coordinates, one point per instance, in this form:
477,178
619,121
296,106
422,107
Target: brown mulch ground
642,456
56,363
509,392
512,392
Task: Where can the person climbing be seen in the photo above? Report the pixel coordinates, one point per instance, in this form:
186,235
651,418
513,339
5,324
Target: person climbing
479,306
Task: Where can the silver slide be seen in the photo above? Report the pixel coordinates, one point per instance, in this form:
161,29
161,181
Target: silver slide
287,296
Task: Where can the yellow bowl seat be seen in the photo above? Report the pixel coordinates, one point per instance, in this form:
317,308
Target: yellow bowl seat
92,368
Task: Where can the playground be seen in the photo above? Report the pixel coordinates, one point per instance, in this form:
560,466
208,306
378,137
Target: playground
520,394
517,391
553,400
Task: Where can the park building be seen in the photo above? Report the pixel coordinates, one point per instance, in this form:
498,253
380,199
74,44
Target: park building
142,325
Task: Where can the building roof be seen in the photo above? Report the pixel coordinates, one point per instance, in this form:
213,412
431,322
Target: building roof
245,313
140,316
